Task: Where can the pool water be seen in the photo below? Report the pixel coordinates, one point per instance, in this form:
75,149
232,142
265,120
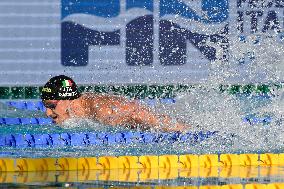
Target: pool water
249,123
245,123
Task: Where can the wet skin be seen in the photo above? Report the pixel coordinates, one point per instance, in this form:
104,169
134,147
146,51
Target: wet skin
110,110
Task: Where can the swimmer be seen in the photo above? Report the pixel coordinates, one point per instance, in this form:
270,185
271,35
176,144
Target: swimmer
62,100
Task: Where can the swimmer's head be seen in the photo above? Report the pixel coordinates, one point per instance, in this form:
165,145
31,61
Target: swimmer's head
60,88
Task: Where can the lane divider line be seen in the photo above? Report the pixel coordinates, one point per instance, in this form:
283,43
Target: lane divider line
56,140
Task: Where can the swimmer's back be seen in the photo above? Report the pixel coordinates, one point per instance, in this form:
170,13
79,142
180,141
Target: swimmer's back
109,109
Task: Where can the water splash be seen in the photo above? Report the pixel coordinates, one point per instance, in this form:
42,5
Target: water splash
206,108
254,59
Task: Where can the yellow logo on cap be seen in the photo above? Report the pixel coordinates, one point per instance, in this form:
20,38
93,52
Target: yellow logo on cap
46,89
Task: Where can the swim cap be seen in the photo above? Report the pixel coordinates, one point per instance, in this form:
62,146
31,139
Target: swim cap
60,88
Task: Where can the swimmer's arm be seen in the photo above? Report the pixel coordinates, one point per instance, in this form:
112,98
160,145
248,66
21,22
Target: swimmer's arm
144,116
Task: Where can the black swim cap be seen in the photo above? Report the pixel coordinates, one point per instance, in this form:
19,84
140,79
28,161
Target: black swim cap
60,88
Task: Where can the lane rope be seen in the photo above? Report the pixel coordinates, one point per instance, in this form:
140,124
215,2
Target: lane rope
56,140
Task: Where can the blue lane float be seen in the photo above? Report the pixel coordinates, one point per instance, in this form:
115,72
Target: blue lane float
25,121
254,119
100,138
27,105
47,121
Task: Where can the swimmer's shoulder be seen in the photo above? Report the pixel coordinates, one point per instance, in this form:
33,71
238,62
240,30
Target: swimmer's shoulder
104,98
90,102
95,97
90,97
